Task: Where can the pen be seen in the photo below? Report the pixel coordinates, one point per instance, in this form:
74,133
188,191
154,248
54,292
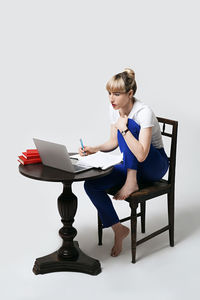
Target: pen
82,146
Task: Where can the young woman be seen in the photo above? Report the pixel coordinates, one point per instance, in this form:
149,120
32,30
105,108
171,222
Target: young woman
135,129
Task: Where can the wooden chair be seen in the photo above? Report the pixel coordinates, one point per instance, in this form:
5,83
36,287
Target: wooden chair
150,191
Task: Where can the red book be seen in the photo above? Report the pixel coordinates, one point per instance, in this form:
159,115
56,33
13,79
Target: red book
30,155
25,161
32,151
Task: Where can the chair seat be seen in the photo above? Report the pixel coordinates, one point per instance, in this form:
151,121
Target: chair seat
146,191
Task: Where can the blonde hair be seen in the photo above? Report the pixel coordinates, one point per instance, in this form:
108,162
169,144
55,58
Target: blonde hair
122,82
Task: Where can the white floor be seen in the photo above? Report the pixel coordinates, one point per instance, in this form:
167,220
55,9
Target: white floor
161,272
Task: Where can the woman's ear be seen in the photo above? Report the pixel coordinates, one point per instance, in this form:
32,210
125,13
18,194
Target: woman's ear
130,94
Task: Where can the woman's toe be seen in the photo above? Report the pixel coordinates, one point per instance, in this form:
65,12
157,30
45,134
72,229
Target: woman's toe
113,252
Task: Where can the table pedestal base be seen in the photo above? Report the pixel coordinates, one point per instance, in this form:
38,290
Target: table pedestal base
53,263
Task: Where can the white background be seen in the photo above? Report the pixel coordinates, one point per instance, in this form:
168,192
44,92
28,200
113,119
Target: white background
55,60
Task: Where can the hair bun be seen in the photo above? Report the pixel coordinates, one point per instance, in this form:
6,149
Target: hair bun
130,72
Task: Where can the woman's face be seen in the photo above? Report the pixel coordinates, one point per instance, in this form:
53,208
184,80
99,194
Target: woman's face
119,100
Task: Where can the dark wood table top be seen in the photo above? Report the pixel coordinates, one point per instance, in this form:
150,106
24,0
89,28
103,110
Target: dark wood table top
44,173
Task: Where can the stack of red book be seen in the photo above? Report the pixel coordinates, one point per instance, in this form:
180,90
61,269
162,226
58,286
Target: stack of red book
31,156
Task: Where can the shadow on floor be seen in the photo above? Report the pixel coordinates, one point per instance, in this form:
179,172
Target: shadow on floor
187,224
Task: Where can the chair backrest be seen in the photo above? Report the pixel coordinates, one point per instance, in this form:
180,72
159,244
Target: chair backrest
173,145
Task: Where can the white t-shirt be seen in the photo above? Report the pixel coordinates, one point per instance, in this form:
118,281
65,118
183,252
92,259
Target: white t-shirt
143,116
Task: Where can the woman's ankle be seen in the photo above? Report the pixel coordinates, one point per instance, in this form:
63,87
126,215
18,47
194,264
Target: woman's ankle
131,177
118,227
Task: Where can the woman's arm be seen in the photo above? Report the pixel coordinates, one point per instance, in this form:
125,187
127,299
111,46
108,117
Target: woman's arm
140,148
110,145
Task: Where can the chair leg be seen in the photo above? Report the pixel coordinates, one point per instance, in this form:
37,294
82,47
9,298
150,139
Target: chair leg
143,214
170,202
100,230
133,207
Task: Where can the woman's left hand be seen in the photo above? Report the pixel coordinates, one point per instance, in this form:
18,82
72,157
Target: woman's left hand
121,123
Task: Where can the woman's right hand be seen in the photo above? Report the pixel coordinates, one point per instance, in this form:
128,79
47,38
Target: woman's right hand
87,150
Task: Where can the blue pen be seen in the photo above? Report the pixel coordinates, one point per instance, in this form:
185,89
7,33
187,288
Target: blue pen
82,146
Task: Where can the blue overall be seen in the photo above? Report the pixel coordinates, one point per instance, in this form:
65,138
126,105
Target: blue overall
153,168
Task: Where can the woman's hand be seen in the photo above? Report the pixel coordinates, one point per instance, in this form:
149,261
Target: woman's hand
87,150
121,123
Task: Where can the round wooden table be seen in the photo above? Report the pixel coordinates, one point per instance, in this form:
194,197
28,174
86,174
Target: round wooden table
69,257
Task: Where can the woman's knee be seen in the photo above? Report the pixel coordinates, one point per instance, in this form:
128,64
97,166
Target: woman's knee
88,186
93,185
134,128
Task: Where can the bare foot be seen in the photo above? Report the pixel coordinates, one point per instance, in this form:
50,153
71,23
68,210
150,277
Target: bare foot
125,191
129,187
121,232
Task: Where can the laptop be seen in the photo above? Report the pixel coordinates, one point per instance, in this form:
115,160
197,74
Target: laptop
56,156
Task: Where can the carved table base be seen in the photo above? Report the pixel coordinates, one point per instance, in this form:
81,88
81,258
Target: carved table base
69,257
53,263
